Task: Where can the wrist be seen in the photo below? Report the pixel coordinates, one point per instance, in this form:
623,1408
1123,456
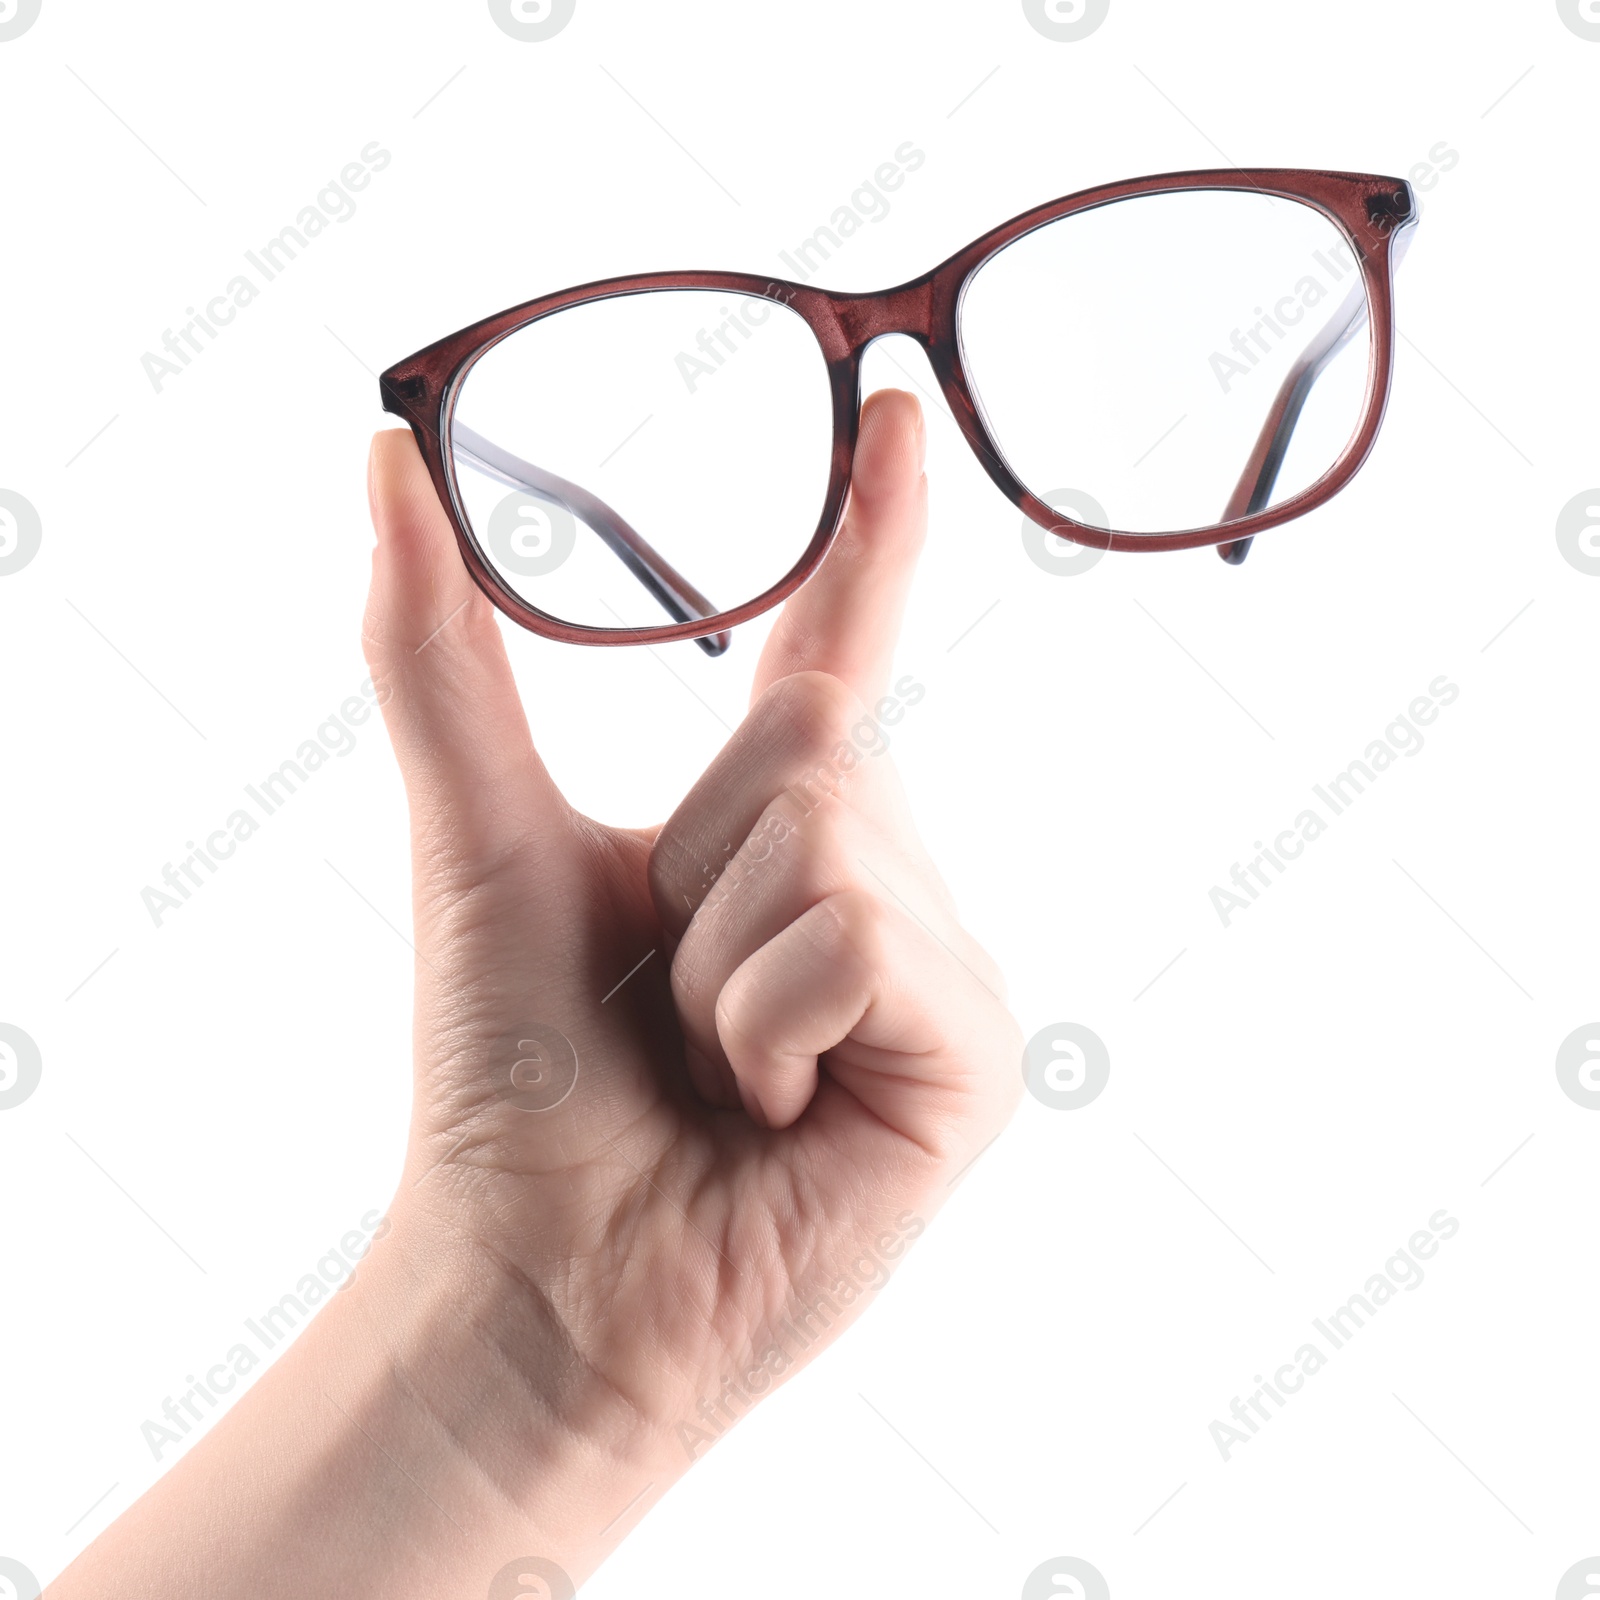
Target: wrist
423,1438
457,1366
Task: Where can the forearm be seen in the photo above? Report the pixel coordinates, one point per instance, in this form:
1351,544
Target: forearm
429,1428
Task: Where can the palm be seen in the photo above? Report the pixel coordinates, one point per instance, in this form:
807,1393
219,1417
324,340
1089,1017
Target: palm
674,1227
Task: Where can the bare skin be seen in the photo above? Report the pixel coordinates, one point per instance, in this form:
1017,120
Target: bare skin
763,1115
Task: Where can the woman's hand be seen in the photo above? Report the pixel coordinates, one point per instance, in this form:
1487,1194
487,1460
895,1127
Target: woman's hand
682,1095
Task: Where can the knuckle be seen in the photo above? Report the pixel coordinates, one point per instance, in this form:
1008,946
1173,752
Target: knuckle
802,852
795,815
377,637
419,643
819,721
811,707
766,848
862,927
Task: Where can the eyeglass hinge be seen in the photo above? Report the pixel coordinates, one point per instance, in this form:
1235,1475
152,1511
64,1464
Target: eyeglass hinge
1388,209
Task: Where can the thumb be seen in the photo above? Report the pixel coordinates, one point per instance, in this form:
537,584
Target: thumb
845,619
476,786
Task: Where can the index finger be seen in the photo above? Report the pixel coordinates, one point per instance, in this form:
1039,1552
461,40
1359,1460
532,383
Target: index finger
845,620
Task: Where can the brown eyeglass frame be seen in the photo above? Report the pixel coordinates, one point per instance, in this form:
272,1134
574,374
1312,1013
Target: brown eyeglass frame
1374,214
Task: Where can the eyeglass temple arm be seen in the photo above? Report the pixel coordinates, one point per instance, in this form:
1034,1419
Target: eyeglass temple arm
1255,485
677,596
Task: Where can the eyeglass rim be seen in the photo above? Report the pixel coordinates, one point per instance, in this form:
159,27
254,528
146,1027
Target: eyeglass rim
1370,211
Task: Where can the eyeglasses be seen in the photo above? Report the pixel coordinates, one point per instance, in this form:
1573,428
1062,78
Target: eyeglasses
663,457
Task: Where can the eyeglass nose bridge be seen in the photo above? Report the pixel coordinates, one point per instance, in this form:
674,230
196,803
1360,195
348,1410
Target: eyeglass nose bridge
908,309
923,310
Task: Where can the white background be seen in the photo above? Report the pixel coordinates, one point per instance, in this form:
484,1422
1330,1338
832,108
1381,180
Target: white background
1289,1100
